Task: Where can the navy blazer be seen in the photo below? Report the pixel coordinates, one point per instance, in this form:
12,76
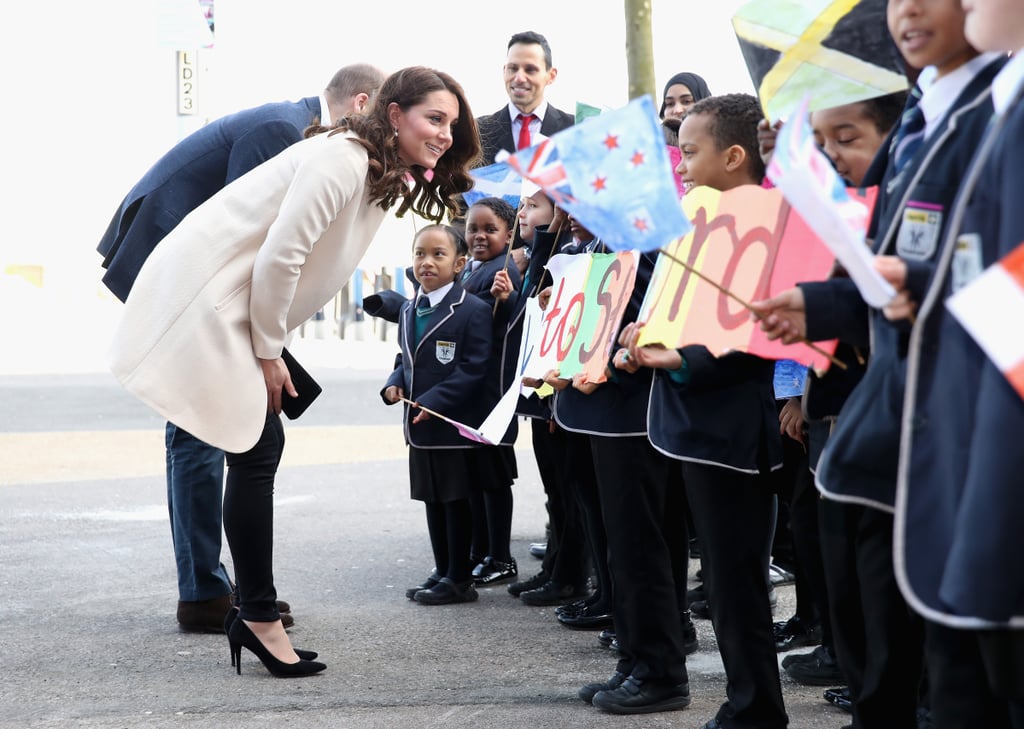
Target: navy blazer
496,130
859,462
446,370
190,173
725,415
501,370
960,504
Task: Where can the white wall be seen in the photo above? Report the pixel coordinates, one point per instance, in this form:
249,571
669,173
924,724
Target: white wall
90,96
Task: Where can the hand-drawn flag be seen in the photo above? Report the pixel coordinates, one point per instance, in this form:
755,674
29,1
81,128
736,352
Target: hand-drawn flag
612,173
838,51
985,305
815,190
749,242
497,180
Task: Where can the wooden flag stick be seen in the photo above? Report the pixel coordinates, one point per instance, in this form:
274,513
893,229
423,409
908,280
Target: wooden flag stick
426,410
831,358
508,255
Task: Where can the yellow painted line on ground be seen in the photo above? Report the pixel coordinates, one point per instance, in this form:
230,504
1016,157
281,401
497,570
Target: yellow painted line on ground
28,458
91,455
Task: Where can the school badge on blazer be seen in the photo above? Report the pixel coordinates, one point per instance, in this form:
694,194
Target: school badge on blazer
445,352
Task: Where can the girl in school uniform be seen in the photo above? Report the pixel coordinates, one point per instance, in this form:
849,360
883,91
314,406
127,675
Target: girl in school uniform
489,224
562,578
445,340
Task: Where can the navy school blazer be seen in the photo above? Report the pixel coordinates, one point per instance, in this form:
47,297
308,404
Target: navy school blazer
859,461
446,370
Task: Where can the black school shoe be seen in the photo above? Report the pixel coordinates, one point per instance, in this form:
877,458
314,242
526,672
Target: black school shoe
588,692
432,580
518,588
491,571
820,670
796,633
551,593
642,697
839,697
447,592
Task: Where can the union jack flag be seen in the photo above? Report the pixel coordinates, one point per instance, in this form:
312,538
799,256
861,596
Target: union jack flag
612,173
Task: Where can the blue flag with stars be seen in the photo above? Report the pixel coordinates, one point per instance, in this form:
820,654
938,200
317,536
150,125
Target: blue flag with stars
612,173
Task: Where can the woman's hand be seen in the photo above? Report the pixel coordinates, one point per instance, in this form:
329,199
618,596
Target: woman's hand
275,374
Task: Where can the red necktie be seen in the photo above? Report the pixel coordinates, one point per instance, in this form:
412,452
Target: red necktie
524,130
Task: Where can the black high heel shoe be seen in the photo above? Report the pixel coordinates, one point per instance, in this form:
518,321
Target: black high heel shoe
241,635
230,618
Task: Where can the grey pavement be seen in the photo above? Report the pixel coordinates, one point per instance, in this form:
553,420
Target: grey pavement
89,591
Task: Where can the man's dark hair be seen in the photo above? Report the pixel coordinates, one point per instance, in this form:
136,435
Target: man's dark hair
528,37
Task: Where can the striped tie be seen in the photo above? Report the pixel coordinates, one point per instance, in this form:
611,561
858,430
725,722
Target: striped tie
910,134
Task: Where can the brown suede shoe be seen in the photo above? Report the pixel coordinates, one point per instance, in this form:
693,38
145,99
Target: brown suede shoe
203,616
207,616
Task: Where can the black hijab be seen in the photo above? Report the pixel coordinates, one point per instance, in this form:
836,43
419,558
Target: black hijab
697,86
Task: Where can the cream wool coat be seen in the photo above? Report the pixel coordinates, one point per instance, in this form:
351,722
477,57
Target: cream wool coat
233,278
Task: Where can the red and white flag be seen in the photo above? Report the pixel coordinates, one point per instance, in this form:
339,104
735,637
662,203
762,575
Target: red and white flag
983,308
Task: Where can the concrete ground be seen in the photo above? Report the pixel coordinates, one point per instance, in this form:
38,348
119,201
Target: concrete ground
89,590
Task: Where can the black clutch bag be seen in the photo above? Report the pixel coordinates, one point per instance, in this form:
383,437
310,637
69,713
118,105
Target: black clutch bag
305,385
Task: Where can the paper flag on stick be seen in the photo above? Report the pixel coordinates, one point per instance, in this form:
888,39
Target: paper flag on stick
612,173
497,180
815,190
838,51
984,307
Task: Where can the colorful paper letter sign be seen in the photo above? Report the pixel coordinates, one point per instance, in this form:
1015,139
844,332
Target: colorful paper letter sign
750,242
589,296
838,51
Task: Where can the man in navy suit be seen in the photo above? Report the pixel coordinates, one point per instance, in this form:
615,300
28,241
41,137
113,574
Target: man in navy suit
186,176
528,72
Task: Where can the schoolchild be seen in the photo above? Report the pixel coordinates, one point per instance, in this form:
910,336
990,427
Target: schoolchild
641,520
489,225
878,640
851,136
718,417
562,578
445,340
959,505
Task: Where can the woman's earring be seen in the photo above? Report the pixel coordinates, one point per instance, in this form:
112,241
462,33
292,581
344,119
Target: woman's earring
396,131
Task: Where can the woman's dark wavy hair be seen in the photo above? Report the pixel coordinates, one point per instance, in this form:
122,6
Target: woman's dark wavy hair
389,179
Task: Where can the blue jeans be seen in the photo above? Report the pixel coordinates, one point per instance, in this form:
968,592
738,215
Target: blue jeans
195,484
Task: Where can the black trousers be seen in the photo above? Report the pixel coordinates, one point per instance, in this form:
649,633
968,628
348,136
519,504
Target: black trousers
975,677
879,642
580,469
566,559
249,521
633,482
734,514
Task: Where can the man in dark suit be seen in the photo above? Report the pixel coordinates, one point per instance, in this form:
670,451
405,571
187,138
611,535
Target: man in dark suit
528,72
191,172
